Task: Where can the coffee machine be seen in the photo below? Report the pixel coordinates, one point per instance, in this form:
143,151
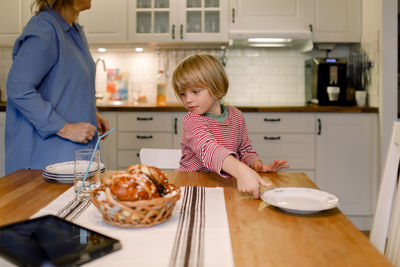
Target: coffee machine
326,82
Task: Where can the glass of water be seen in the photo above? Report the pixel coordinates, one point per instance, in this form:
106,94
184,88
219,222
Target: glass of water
81,164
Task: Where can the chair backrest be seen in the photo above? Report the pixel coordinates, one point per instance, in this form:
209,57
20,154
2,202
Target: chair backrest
383,218
161,158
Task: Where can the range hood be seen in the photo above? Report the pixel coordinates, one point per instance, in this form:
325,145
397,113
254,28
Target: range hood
271,39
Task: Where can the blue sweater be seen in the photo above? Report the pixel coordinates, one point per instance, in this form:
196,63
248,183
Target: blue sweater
51,82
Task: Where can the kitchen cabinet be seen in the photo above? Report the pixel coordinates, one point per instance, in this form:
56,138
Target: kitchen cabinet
108,151
329,21
178,128
282,136
105,22
178,21
252,17
2,149
137,130
346,162
14,14
337,21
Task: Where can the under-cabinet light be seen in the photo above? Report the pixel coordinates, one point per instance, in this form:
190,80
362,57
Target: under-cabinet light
267,45
101,49
269,40
139,49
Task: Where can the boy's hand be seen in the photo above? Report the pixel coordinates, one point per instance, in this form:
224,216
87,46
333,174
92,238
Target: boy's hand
275,166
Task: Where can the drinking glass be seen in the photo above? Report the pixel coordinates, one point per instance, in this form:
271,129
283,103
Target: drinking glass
81,163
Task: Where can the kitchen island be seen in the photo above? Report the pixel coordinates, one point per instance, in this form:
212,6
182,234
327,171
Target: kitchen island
261,235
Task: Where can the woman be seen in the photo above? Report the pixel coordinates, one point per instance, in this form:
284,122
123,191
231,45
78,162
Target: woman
51,106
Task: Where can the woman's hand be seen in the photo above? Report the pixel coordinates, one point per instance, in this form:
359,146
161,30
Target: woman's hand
275,166
81,132
102,125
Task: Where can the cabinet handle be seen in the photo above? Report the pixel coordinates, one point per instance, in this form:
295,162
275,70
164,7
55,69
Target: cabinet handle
173,31
310,27
233,15
144,136
181,31
176,126
272,138
144,119
272,120
138,155
319,126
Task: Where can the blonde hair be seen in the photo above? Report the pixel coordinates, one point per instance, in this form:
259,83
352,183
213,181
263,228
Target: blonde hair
59,5
200,71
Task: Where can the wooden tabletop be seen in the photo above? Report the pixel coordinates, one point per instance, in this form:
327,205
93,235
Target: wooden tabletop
261,235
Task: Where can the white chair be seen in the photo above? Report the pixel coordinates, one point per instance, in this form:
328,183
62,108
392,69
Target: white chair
387,215
161,158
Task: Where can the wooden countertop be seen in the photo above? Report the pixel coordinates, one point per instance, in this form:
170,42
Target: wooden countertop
310,108
261,235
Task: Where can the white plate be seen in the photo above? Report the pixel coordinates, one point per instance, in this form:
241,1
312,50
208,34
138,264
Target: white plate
300,199
67,168
59,180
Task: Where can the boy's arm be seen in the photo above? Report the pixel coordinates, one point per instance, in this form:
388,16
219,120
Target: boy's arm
247,179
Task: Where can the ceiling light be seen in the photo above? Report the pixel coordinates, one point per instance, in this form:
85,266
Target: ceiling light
139,49
269,40
101,49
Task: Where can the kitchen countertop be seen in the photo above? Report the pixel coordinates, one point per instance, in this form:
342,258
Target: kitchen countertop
307,108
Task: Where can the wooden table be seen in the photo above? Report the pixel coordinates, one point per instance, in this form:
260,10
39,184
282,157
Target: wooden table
261,235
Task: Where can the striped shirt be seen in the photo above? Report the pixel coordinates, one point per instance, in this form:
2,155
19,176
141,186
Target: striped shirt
206,142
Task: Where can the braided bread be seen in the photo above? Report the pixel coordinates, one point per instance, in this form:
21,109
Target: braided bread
155,175
131,187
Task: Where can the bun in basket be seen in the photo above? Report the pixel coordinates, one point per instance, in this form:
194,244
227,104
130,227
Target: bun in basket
133,199
132,187
155,175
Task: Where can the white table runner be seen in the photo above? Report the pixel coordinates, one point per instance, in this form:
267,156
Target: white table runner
197,234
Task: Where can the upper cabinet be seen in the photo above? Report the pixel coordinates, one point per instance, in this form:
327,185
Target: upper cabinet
178,21
269,16
106,21
329,21
14,14
337,21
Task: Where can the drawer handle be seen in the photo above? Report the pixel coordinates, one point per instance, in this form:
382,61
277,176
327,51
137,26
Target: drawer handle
272,120
144,136
144,119
272,137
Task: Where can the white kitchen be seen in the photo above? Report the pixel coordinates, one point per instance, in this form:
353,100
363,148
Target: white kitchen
341,146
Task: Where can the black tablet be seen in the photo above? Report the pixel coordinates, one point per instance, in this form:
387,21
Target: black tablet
52,241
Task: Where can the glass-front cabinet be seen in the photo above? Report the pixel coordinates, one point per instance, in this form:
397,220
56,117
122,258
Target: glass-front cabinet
181,20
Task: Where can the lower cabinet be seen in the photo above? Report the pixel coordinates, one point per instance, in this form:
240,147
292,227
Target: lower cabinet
347,163
2,149
284,136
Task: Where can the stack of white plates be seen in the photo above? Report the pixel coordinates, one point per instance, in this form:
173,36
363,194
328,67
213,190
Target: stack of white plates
63,172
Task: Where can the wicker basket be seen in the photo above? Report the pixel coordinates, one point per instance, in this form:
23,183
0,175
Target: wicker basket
141,213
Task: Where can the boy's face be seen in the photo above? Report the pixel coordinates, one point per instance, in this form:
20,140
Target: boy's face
200,101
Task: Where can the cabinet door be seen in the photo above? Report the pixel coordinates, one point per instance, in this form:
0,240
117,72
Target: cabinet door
269,16
106,21
2,149
177,130
203,20
297,149
144,122
108,147
337,21
153,20
14,14
346,160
